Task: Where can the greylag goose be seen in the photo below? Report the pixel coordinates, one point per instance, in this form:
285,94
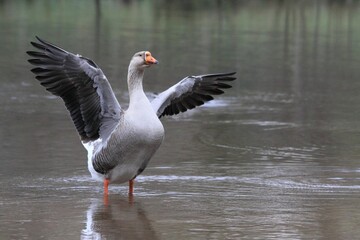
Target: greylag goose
119,142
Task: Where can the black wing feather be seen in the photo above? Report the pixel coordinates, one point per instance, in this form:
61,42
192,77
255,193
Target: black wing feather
191,92
74,78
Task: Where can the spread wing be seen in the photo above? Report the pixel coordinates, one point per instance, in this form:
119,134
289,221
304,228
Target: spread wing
190,92
82,85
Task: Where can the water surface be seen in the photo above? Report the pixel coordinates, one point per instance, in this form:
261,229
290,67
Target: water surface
276,157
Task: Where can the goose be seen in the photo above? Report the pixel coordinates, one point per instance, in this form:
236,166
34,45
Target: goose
119,142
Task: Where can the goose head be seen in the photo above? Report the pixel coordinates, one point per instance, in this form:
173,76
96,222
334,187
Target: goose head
143,59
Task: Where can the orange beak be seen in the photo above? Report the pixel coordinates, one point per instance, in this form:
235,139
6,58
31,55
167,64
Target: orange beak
150,59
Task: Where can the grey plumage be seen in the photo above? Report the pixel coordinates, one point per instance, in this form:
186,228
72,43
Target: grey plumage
191,92
119,142
83,87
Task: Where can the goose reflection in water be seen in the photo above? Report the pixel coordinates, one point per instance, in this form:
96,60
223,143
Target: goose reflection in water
117,219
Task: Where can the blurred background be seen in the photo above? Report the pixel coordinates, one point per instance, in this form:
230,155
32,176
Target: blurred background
275,157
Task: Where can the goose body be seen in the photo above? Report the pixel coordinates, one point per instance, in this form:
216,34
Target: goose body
119,142
130,146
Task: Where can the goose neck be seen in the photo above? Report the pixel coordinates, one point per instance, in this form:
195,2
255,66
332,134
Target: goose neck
136,92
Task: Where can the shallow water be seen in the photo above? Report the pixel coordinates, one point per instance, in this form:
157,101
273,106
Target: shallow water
276,157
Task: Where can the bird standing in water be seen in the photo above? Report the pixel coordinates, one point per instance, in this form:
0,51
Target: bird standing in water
120,143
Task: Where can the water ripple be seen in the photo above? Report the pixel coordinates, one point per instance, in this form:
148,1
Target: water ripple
85,183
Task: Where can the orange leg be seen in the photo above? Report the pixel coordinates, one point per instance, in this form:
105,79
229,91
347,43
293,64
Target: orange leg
131,187
106,186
